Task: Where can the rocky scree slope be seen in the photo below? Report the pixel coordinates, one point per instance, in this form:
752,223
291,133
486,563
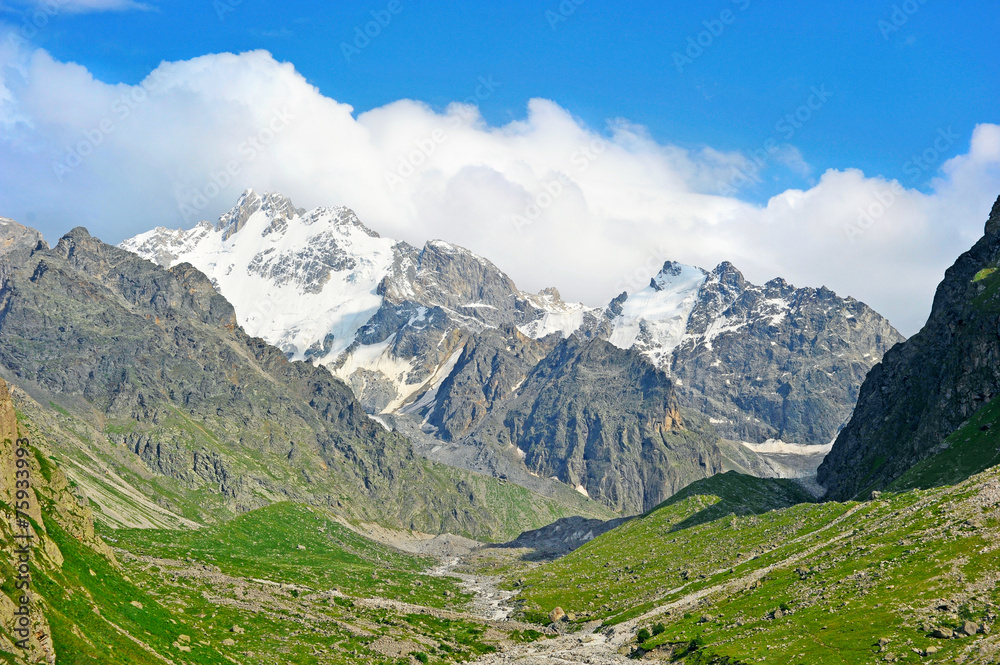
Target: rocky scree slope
180,393
926,388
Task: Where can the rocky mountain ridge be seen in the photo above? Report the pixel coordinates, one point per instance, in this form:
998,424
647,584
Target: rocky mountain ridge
926,388
383,315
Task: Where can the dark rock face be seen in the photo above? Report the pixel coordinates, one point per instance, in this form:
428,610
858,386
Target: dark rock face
491,367
606,421
563,536
776,362
926,387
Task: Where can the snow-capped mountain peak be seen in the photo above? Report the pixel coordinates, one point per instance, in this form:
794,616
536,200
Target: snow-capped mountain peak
320,285
275,207
655,318
304,281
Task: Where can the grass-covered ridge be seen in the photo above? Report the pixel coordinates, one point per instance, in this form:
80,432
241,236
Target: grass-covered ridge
625,571
299,546
881,581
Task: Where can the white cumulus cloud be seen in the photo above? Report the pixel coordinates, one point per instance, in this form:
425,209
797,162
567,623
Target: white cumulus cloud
549,199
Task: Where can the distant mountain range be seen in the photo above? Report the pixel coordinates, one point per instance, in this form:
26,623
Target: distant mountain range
443,345
140,401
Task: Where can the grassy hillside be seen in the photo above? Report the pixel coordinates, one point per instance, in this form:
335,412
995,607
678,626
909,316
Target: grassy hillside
907,577
296,545
286,583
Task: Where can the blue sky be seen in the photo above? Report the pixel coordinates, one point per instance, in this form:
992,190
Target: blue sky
893,87
854,145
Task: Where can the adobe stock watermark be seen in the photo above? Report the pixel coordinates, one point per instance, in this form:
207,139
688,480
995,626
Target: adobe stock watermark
194,201
364,34
121,110
784,129
23,546
698,43
553,188
33,22
899,16
884,199
223,7
640,277
423,149
562,13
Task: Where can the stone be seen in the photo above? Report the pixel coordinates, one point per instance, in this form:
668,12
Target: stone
136,604
970,627
237,629
943,633
557,615
228,642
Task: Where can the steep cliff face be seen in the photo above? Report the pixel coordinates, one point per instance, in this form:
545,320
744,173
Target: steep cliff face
604,421
925,388
489,369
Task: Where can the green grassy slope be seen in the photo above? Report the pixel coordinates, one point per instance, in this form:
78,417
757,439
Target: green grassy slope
626,570
153,607
296,545
286,583
811,583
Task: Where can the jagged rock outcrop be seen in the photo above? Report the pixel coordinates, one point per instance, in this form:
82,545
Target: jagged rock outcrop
925,388
489,370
